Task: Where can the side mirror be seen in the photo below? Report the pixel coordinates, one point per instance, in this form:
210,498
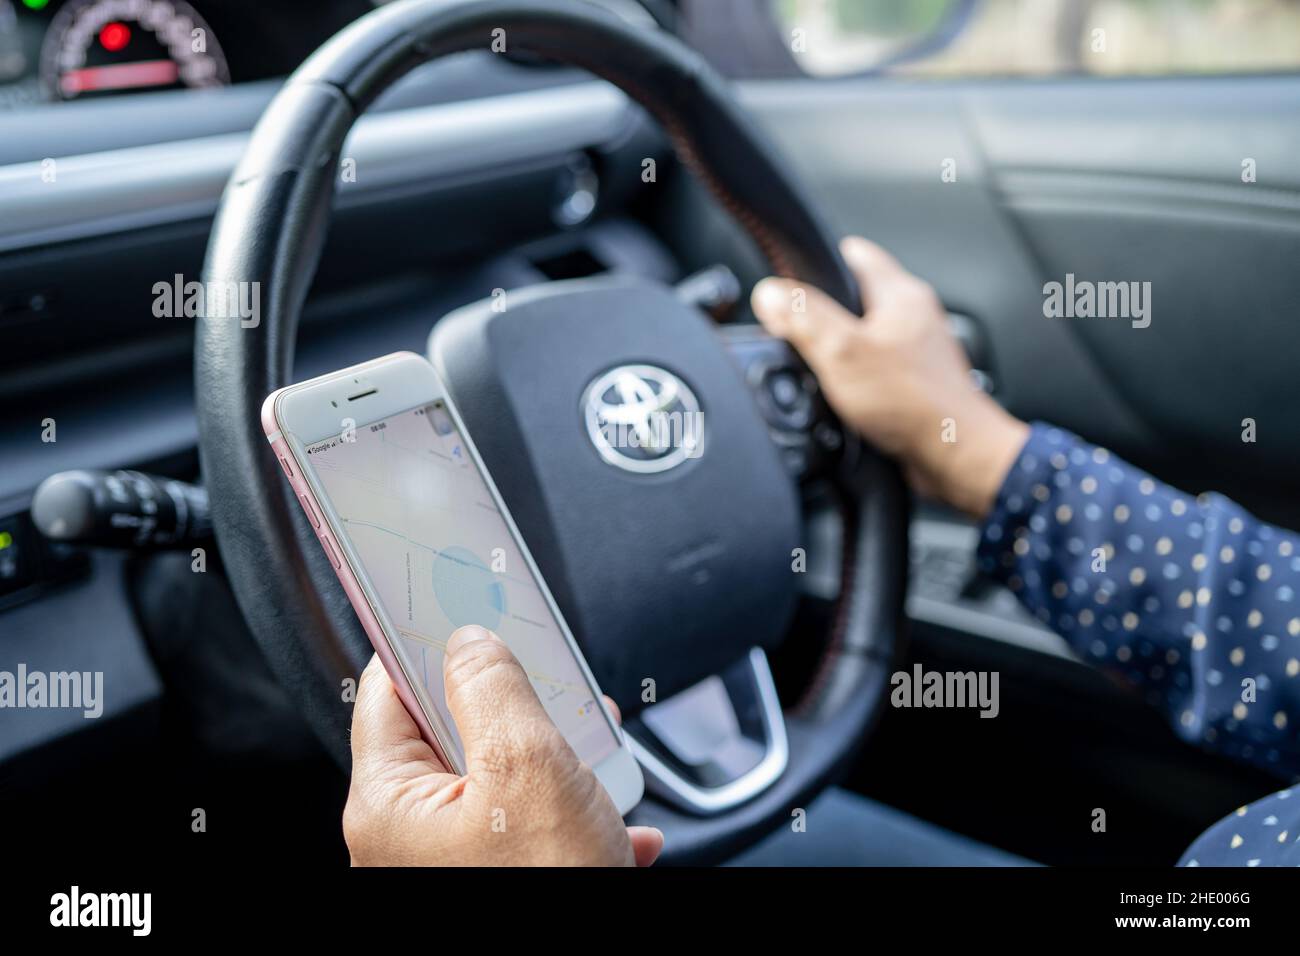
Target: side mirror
841,37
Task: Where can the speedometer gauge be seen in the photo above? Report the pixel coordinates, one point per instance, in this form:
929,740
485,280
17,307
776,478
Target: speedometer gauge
95,47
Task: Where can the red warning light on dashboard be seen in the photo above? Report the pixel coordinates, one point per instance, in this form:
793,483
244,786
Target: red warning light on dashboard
115,36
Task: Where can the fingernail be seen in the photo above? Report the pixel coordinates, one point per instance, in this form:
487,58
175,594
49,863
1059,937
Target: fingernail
467,635
769,297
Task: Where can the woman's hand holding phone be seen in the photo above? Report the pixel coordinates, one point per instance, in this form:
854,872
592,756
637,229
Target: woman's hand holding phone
404,508
525,799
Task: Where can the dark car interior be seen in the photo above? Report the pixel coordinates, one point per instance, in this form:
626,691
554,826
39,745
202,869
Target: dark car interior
480,171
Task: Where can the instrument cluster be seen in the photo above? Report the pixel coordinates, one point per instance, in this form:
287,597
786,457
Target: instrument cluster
53,51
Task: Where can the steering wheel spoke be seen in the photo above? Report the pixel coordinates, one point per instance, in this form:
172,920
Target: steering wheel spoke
811,441
717,744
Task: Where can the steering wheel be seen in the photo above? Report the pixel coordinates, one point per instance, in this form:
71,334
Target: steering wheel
673,577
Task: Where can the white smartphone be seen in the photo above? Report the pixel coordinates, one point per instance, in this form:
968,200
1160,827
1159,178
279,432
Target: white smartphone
423,544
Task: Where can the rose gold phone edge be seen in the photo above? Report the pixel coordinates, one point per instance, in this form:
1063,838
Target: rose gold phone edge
625,796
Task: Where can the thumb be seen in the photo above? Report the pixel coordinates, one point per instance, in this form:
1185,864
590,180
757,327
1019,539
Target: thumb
647,844
501,722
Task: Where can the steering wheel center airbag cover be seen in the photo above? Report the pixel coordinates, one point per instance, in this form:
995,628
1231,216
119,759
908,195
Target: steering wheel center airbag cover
667,575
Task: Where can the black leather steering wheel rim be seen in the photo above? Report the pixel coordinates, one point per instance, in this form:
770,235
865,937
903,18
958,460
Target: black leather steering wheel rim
270,229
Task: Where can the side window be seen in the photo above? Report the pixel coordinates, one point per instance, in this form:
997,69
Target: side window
946,38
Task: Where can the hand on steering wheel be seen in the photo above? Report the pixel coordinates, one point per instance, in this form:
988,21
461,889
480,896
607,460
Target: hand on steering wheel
898,376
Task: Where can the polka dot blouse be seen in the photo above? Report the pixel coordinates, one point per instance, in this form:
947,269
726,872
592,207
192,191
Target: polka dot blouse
1189,598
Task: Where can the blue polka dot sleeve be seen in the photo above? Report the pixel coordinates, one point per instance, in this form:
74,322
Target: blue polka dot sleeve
1189,598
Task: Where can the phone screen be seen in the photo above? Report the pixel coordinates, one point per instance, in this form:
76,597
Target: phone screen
439,555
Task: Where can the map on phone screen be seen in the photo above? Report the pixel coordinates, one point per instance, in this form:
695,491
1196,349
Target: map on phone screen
439,555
